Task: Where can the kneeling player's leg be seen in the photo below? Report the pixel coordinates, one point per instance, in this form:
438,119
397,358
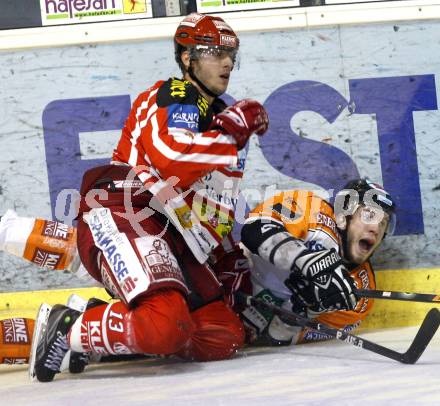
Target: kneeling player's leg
218,333
143,272
159,323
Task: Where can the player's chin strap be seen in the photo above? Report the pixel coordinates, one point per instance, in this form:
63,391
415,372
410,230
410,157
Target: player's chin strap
345,252
200,83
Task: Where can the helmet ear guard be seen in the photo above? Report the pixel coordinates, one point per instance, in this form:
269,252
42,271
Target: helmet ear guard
341,221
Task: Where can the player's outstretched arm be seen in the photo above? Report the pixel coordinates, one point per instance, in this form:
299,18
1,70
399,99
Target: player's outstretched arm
318,280
46,243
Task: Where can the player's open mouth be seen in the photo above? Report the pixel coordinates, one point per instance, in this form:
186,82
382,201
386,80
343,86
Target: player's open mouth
225,76
366,244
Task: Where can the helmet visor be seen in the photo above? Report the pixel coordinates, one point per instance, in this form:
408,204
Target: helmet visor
377,215
215,51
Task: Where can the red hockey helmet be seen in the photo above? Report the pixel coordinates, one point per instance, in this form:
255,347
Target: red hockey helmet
205,33
199,29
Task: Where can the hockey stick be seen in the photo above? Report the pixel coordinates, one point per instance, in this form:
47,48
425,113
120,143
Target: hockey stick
426,331
409,297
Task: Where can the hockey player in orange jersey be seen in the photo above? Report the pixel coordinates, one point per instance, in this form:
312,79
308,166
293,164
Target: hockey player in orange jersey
308,257
181,153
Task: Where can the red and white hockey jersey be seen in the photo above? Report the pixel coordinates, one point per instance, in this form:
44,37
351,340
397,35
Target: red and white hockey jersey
193,171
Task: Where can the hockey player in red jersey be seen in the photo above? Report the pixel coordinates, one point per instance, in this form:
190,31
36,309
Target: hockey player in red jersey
308,257
179,153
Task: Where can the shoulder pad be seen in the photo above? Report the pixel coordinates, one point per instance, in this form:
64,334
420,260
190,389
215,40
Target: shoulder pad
176,91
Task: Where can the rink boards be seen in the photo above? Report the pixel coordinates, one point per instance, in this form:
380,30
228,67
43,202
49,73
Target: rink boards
385,313
344,100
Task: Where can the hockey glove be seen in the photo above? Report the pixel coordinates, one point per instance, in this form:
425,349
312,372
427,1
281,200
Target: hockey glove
233,272
231,268
321,283
241,120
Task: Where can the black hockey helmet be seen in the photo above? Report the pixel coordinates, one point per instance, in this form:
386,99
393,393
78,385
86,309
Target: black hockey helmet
367,193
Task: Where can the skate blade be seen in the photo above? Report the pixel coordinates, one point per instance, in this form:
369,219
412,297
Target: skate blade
66,361
39,330
76,302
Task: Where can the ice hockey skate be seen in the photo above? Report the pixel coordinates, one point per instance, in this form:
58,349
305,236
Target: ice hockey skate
49,344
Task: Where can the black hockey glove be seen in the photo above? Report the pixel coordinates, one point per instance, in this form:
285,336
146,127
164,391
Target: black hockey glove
321,283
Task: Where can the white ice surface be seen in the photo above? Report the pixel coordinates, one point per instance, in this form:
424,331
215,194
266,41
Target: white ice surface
331,373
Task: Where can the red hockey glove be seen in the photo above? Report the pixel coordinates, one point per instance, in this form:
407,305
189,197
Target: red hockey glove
241,120
232,270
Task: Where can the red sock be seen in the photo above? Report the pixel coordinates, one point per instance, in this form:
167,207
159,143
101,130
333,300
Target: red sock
158,324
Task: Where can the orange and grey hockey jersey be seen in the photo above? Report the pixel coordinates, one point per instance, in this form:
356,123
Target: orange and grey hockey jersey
310,219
